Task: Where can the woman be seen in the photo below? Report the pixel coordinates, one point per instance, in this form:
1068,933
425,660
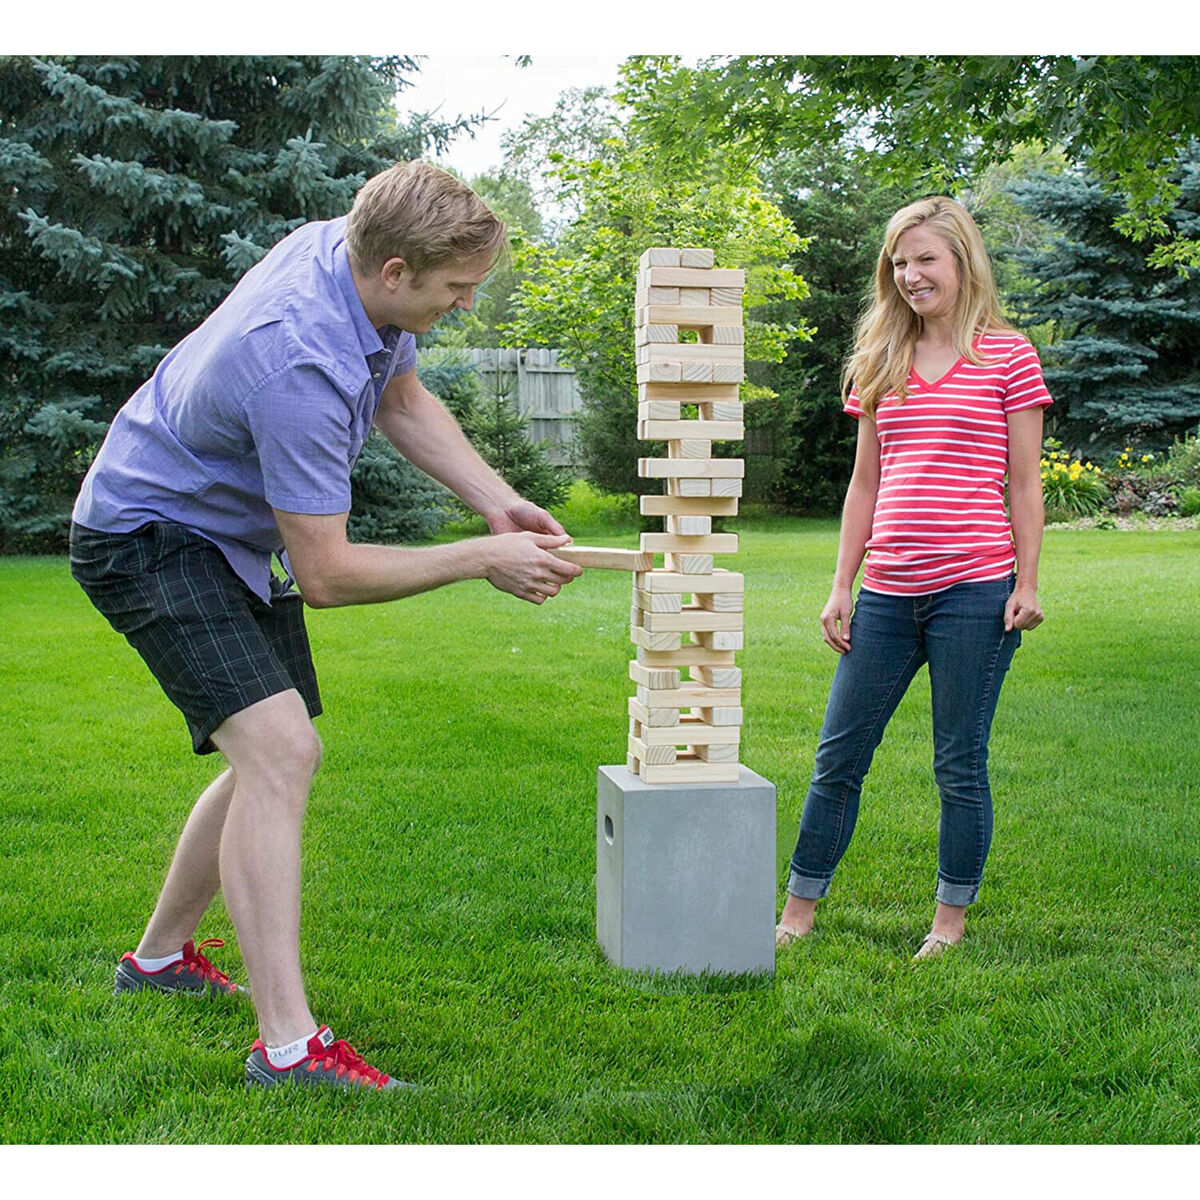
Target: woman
948,399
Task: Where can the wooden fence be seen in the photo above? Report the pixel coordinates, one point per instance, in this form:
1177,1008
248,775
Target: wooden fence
544,392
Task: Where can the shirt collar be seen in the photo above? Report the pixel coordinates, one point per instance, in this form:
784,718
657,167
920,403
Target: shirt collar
368,336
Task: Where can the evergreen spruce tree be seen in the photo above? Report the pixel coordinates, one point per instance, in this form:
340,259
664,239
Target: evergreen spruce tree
136,191
1125,363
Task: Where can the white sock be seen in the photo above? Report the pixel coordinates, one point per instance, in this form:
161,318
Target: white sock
287,1056
157,964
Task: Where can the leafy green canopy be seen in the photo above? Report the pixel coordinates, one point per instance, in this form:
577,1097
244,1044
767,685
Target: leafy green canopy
933,121
135,192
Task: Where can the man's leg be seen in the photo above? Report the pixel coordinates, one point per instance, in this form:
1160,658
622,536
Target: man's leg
194,876
274,751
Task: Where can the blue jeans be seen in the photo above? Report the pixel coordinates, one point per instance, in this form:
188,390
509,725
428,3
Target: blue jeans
960,633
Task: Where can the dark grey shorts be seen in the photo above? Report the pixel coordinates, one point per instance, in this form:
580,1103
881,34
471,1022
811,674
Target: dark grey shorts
211,643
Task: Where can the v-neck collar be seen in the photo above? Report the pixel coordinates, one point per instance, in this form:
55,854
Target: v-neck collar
954,366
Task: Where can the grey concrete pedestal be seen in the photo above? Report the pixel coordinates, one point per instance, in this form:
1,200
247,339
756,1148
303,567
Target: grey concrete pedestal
685,873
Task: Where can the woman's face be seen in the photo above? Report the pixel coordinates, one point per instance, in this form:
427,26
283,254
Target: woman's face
926,273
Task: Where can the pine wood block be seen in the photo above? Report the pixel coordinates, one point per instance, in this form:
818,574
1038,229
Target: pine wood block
654,718
691,316
721,410
693,256
717,753
726,372
666,506
659,372
691,468
645,334
689,487
691,393
695,297
714,677
720,640
726,487
690,277
658,602
690,695
605,558
671,431
658,410
691,655
689,447
659,256
665,581
720,716
727,296
722,601
635,617
645,297
654,641
688,769
631,764
695,372
650,755
691,620
674,543
689,352
689,730
723,335
689,526
690,564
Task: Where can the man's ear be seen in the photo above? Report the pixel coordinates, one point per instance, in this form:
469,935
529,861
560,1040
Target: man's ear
396,272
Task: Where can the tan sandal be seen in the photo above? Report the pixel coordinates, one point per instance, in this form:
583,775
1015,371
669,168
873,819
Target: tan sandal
785,935
933,945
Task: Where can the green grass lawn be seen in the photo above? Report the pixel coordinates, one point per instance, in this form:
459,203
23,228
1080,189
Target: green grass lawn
449,881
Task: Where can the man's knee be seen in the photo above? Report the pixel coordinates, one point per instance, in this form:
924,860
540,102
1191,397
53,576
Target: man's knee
272,743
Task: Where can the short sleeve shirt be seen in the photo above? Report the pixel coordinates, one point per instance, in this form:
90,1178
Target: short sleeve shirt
266,405
940,517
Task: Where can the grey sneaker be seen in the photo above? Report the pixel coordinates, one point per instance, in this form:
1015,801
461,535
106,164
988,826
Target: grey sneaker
335,1064
193,974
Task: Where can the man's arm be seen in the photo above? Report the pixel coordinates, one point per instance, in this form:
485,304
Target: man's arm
421,428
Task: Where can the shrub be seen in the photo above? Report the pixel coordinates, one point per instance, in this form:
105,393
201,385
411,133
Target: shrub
1189,502
1069,485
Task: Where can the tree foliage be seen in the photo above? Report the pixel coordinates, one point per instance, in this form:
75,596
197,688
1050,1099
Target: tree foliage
135,192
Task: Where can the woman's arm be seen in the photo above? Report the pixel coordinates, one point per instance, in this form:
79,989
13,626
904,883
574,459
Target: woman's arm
858,514
1027,513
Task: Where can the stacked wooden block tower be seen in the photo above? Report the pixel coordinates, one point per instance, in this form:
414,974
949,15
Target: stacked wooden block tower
688,729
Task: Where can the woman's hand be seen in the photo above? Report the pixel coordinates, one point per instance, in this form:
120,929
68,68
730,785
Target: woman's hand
835,619
1022,610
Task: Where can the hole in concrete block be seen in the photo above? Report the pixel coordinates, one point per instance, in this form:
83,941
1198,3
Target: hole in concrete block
608,830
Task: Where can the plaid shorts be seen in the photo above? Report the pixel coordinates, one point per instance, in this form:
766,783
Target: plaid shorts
211,643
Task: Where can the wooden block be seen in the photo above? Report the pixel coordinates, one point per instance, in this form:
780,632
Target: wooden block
695,297
654,641
691,393
656,333
690,564
687,769
674,543
689,447
721,410
669,431
717,641
695,372
605,558
690,695
650,754
658,602
659,410
720,716
690,352
726,487
689,487
717,753
690,731
691,256
690,655
718,677
727,296
721,601
665,581
635,616
662,506
659,256
691,316
689,526
691,619
659,372
654,718
727,372
723,335
691,468
689,277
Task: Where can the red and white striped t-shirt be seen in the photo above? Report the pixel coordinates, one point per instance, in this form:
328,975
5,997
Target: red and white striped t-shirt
943,455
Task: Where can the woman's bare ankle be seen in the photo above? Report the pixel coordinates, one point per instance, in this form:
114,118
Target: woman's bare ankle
798,914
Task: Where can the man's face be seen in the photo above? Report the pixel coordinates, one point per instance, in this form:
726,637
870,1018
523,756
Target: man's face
416,301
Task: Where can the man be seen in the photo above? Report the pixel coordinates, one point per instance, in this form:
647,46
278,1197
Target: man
238,448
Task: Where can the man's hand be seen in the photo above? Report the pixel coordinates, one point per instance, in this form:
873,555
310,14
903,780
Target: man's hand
520,563
522,516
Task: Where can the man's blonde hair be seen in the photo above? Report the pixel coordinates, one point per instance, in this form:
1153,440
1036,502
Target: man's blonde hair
422,214
888,330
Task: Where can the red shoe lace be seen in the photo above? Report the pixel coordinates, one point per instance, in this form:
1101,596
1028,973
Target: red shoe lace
195,961
347,1061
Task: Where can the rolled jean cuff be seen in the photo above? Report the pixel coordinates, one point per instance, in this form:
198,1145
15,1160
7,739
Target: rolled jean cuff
957,894
806,887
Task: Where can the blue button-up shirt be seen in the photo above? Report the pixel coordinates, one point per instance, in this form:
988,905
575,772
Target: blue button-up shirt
266,405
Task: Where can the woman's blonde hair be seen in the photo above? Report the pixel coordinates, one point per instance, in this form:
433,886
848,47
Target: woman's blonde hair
422,214
888,330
